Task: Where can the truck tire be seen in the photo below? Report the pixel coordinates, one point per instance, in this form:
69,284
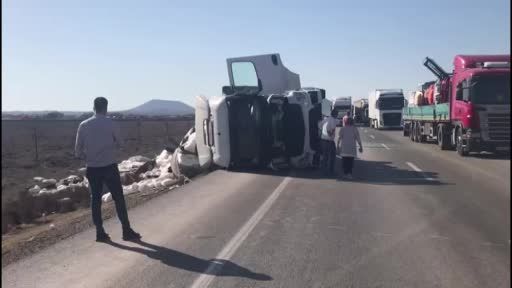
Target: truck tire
411,132
443,139
405,131
458,139
421,138
415,132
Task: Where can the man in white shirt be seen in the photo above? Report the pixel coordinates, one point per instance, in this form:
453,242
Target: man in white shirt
97,140
328,146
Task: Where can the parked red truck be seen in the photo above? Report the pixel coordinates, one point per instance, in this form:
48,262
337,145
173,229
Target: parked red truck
471,107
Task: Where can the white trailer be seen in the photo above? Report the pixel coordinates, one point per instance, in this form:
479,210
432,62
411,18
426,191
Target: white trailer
385,108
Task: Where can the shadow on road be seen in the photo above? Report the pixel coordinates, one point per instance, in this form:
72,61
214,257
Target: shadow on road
365,171
479,155
494,156
384,173
191,263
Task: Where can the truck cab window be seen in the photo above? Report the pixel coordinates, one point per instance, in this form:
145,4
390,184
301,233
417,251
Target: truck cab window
244,74
466,90
458,92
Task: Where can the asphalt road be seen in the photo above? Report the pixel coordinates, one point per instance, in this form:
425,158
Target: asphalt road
412,217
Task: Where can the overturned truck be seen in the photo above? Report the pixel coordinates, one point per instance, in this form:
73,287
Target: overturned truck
264,118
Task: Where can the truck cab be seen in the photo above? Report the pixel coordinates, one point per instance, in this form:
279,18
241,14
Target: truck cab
360,111
480,98
385,108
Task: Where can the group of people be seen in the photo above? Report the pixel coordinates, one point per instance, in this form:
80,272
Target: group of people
343,144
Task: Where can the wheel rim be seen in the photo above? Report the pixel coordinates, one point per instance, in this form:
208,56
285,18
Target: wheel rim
459,142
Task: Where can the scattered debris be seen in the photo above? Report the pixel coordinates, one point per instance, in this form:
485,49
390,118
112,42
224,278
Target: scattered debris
48,183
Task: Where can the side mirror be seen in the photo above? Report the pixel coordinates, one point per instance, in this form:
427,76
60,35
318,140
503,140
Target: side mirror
227,90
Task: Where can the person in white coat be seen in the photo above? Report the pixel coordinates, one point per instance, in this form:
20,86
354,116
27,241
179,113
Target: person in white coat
346,146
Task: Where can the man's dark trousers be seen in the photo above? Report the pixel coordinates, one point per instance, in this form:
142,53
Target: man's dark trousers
108,175
328,156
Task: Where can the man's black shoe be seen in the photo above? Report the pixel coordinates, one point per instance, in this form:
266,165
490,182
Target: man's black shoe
130,235
102,237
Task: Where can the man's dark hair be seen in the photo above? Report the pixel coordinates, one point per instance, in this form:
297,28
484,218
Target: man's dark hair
348,113
334,113
100,104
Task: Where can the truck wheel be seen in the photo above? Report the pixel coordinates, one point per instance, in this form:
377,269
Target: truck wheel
458,139
421,138
443,139
411,131
406,131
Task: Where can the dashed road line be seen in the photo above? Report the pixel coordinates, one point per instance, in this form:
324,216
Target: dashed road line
385,146
415,168
371,136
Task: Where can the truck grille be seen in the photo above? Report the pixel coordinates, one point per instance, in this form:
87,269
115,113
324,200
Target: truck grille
499,126
392,119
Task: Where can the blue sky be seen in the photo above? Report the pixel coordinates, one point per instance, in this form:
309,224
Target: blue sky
59,55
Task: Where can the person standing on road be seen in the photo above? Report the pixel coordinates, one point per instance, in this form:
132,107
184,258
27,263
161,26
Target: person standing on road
97,140
328,147
345,118
348,136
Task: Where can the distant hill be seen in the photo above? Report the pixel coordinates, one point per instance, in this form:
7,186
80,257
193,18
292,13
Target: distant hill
151,108
161,108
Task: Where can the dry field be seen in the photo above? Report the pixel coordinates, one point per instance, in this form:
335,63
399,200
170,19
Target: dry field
45,147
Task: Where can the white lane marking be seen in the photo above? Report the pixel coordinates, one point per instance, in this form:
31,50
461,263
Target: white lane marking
385,146
415,168
371,136
365,131
339,157
209,274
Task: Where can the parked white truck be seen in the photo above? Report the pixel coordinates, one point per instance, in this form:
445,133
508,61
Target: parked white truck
385,108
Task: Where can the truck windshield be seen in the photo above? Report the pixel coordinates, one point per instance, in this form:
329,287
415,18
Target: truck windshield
341,110
391,103
491,90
